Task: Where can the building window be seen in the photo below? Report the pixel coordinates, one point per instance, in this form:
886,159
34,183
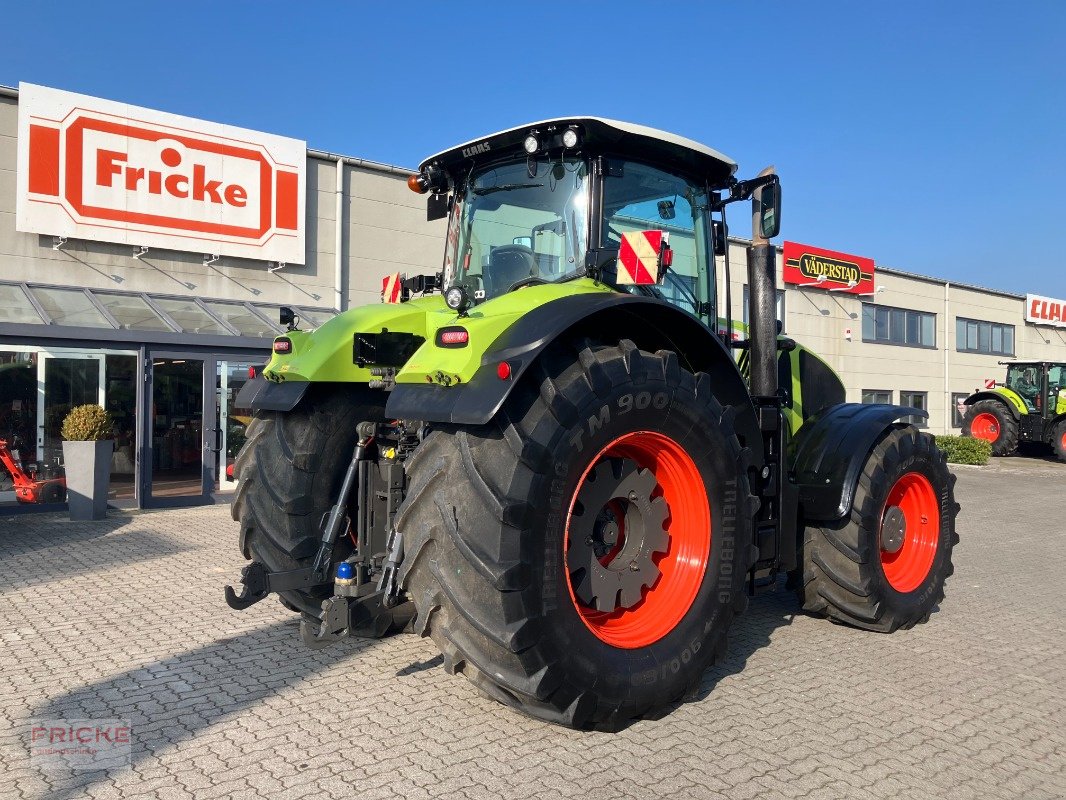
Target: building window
888,325
780,306
974,336
915,400
876,396
958,409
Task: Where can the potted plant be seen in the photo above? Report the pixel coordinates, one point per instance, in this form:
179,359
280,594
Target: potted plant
87,447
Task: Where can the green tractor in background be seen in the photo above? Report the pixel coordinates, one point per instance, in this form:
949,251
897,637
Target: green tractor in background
1030,406
547,457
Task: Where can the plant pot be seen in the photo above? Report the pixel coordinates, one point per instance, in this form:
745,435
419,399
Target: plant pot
88,468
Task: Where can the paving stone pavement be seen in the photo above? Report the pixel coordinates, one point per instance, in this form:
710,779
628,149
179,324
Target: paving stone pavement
124,618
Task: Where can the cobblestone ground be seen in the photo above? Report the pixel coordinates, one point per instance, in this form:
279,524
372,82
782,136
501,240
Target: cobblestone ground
124,618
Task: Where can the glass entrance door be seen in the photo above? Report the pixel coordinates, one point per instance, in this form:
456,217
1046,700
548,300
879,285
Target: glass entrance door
232,421
64,380
182,435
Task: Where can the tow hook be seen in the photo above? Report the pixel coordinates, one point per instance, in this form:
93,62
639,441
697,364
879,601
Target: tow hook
257,583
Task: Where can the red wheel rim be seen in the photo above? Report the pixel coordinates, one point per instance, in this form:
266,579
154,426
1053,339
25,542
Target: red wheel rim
681,566
985,426
907,568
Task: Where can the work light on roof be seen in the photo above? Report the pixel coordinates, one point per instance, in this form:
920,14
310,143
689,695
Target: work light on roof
531,144
569,138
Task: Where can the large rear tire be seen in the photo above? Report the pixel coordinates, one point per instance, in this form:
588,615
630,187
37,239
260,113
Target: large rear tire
581,557
992,421
883,566
289,474
1058,440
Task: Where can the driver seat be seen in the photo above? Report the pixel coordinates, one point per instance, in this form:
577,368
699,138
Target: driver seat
508,264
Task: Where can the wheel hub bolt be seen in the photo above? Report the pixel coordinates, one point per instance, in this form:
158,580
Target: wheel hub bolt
633,566
633,496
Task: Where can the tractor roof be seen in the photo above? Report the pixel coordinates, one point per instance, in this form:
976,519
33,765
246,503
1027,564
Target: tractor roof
621,138
1019,363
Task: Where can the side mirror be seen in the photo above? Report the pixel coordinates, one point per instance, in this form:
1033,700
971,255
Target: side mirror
720,236
766,210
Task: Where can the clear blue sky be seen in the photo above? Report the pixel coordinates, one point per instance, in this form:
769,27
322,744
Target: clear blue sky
926,135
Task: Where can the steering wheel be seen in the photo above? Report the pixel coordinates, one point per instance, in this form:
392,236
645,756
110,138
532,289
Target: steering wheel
508,265
530,281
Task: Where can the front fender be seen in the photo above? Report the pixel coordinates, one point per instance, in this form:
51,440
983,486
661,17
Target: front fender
650,323
1008,397
827,456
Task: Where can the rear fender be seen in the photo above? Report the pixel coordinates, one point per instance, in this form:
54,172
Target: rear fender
829,452
650,323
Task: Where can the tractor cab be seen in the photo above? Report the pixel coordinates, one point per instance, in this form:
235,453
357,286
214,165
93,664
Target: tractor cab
1041,386
552,202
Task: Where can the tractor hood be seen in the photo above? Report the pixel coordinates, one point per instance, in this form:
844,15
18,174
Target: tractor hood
421,341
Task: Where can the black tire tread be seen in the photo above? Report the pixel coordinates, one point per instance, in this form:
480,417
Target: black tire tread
838,558
471,593
289,472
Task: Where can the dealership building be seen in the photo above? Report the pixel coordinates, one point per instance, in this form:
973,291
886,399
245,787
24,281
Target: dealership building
144,257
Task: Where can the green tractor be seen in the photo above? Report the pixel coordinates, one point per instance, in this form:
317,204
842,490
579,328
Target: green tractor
555,460
1030,406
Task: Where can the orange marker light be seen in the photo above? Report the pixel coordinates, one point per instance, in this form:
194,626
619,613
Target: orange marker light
417,183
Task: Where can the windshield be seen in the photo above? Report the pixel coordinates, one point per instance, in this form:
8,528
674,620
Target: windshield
519,223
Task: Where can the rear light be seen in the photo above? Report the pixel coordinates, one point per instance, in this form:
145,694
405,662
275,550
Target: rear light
282,346
503,371
453,337
251,372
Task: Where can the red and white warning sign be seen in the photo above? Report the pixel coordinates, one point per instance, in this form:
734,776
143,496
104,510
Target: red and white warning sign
96,169
392,288
642,257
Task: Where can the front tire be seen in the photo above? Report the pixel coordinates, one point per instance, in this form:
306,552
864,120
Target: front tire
883,566
992,421
580,558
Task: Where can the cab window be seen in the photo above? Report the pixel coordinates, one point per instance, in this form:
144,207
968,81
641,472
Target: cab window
646,198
